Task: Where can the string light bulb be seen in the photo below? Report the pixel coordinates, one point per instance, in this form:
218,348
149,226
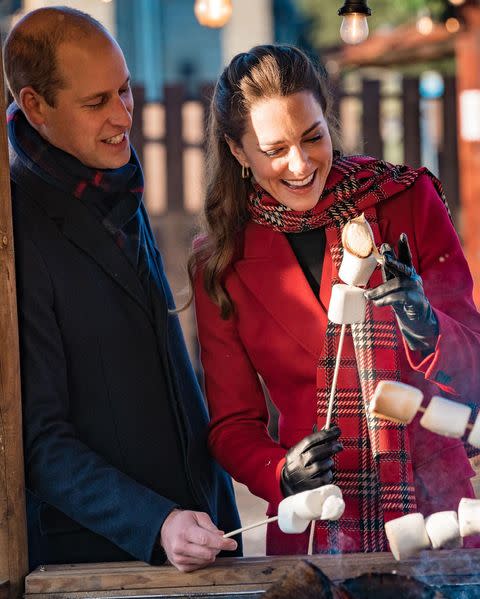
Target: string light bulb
354,27
213,13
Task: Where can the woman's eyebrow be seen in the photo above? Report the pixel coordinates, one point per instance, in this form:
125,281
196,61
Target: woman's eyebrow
306,132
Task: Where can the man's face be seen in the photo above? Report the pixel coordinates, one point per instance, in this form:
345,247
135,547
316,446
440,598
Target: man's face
92,117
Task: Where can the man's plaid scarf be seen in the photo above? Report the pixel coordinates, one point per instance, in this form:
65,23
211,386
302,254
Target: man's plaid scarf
374,471
114,195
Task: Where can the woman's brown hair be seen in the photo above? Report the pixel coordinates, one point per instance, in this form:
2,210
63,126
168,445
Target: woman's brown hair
264,72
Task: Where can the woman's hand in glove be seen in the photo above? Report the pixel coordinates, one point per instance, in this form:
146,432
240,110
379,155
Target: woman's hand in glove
308,464
403,290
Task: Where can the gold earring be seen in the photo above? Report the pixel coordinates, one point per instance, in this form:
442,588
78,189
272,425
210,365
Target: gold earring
245,172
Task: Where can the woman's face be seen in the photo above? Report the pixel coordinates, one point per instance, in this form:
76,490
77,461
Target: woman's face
288,148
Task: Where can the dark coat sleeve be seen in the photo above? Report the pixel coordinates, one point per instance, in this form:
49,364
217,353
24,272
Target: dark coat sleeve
60,469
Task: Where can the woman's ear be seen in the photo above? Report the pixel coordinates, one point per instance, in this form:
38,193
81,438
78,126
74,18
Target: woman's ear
237,151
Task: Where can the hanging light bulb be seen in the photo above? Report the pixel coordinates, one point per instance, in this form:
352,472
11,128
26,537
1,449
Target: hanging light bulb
457,2
354,27
425,24
213,13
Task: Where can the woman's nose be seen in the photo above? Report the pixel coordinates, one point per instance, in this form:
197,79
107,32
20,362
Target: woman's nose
298,162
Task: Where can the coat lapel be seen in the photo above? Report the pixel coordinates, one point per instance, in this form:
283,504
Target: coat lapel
270,270
79,225
88,234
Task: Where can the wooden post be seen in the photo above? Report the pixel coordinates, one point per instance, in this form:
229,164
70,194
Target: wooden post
373,144
467,50
13,537
448,155
411,121
174,97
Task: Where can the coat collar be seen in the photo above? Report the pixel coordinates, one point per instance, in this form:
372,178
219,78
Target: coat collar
271,271
80,226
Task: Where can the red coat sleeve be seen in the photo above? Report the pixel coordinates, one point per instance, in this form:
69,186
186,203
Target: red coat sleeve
238,437
455,364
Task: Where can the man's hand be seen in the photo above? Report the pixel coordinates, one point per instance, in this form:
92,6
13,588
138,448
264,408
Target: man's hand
403,290
191,540
309,463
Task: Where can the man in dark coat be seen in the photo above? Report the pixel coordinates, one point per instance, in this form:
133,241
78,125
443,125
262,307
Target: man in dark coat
114,421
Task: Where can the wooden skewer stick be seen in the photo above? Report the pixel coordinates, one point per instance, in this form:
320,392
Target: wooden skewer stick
335,377
311,537
250,526
329,416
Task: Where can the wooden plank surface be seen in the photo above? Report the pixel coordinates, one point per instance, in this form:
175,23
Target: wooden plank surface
245,574
13,543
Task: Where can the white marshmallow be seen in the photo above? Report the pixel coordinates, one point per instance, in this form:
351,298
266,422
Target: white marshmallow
407,535
357,237
309,504
443,530
445,417
474,436
355,270
396,401
469,516
347,304
332,508
288,521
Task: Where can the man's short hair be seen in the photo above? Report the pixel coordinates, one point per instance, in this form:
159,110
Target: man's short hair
30,50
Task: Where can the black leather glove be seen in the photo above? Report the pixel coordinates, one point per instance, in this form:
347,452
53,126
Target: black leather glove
403,290
308,464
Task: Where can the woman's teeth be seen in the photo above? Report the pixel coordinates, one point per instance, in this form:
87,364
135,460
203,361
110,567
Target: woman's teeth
301,183
116,139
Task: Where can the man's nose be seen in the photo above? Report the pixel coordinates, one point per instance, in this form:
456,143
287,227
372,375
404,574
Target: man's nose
121,114
298,161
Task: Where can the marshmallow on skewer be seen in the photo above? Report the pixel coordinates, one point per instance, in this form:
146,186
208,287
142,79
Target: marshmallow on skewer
347,304
296,511
446,417
288,521
309,504
407,535
469,516
443,530
396,401
332,508
358,261
474,436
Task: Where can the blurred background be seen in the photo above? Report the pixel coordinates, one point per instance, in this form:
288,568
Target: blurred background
409,93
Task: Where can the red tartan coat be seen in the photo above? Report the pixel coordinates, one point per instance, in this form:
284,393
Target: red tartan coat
277,336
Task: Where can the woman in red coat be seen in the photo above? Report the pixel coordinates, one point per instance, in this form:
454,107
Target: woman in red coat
278,195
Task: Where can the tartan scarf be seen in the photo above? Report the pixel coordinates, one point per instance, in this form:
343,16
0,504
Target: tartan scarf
374,470
114,195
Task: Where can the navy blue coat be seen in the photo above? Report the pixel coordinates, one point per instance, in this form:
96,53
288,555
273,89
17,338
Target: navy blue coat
90,362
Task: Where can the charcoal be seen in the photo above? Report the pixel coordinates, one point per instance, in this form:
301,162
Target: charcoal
305,581
386,586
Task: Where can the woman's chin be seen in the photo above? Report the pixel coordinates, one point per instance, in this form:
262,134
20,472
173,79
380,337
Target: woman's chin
298,202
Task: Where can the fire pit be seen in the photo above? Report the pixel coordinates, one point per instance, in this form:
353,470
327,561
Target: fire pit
455,573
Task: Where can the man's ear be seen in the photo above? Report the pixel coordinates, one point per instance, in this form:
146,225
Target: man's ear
33,106
237,151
